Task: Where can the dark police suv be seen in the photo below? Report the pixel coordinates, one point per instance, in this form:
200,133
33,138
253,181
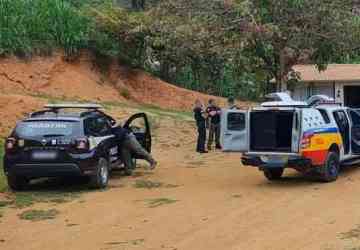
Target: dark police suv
57,143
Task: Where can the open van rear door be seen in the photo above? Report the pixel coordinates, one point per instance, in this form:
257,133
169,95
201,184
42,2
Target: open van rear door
234,130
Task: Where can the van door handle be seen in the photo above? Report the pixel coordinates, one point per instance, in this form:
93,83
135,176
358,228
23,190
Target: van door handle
227,134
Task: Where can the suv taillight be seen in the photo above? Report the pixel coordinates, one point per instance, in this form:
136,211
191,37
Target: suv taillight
10,144
306,140
82,144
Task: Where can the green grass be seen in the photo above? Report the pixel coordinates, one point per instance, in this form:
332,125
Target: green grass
41,26
152,203
38,215
152,110
147,184
352,234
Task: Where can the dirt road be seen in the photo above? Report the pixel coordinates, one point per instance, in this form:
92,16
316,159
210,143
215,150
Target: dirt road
200,203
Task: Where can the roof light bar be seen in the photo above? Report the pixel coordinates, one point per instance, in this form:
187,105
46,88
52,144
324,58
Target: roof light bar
73,106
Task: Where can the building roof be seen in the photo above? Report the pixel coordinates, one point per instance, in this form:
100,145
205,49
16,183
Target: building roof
333,73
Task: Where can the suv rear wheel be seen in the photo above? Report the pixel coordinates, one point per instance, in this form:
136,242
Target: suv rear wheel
273,173
17,183
330,170
101,177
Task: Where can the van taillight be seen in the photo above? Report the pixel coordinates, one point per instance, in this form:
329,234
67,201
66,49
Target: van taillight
82,144
306,140
10,144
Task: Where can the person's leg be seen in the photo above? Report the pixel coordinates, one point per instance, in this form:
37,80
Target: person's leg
198,144
201,139
135,147
126,156
217,136
211,136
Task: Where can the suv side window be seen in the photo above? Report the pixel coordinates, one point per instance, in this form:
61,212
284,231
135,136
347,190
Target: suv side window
97,126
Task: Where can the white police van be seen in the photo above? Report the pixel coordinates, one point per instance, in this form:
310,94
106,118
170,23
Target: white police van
314,136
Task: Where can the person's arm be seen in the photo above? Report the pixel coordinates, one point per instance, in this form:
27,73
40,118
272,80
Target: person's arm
204,114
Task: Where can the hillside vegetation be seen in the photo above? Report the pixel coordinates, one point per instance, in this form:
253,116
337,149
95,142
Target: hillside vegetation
227,48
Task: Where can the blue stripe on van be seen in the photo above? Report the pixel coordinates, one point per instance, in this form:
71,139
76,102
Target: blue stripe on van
324,130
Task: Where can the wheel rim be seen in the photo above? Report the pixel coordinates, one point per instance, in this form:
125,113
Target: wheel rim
333,170
103,172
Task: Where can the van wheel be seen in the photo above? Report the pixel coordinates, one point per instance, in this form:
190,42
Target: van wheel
101,177
17,183
273,173
330,170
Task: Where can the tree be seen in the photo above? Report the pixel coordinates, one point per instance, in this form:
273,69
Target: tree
288,32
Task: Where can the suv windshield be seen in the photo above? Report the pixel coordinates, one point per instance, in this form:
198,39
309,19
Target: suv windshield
46,128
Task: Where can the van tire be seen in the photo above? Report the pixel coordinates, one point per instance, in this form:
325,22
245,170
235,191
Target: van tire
101,177
17,183
329,172
273,173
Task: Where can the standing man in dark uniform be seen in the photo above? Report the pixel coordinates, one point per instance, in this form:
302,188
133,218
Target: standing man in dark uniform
200,118
214,113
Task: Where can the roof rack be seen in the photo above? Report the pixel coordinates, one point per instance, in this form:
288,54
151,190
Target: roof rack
41,112
73,106
54,108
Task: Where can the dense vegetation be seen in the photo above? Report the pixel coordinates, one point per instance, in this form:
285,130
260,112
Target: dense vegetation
228,47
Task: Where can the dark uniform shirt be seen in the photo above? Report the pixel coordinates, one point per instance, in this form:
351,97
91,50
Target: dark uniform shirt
216,118
200,120
120,133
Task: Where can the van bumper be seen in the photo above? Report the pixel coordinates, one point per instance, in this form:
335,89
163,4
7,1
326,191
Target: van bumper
296,162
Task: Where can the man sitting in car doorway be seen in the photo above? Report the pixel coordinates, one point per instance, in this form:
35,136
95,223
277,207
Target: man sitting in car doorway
130,146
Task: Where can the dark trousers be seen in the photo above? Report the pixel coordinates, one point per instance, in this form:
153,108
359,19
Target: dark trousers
201,139
214,131
131,146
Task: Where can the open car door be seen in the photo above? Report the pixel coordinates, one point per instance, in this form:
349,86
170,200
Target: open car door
354,115
234,130
139,125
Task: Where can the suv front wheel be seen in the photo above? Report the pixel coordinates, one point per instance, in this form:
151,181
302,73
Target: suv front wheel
101,177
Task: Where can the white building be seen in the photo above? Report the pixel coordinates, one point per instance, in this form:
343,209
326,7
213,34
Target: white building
340,81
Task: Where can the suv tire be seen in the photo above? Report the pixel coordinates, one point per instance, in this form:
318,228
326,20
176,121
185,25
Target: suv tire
273,173
17,183
101,177
330,170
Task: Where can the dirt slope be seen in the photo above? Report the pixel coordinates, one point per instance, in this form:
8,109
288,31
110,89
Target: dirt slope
82,81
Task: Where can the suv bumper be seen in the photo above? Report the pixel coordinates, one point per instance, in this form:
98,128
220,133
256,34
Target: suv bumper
79,165
293,162
44,170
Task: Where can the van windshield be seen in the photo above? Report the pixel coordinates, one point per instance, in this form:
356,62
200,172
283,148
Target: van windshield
46,128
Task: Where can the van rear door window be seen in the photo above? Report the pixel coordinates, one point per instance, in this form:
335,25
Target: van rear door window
236,121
